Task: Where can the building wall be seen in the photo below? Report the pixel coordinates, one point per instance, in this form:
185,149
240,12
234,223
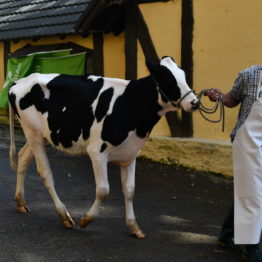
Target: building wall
227,39
114,55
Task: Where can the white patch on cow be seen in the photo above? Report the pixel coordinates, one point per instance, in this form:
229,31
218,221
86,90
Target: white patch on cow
24,85
31,118
127,151
64,109
180,77
119,86
177,73
165,107
122,154
93,77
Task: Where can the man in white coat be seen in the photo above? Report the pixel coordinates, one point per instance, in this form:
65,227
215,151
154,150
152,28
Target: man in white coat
241,229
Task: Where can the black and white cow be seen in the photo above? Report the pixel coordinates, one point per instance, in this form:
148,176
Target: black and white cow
109,119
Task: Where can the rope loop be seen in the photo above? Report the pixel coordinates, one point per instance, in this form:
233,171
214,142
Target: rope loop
219,105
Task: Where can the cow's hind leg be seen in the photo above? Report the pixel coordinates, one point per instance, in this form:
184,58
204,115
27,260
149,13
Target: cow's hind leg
99,162
43,167
25,156
128,188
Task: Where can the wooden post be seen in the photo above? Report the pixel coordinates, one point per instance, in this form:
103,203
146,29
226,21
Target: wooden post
98,59
187,59
131,40
6,53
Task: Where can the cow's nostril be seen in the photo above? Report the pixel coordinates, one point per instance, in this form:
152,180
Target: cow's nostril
195,104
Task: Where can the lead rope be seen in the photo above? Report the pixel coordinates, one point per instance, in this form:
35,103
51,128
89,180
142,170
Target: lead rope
206,110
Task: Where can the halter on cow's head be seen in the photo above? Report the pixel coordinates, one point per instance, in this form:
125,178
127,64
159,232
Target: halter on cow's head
172,85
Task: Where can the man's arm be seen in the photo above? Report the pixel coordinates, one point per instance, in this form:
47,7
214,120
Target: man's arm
228,99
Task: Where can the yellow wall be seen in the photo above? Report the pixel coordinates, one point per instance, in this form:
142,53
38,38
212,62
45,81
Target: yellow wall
164,23
114,55
227,39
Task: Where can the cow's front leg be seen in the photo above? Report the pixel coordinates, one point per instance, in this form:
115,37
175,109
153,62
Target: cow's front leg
128,187
99,162
43,167
25,156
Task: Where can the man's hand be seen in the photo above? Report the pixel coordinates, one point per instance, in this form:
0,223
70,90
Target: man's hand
228,99
213,94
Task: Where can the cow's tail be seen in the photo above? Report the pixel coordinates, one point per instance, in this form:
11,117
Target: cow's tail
12,149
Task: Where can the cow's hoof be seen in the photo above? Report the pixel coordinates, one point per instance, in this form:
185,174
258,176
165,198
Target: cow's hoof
138,233
135,230
68,222
23,209
84,221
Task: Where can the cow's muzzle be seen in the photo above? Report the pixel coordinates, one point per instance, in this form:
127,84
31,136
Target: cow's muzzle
195,105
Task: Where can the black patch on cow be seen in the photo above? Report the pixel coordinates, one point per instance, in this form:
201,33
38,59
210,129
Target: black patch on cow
12,99
103,147
135,110
69,109
168,84
35,97
103,104
166,81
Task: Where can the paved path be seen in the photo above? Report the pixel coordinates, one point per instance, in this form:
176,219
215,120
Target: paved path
179,210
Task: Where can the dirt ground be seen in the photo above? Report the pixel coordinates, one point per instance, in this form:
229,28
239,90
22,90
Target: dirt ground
198,155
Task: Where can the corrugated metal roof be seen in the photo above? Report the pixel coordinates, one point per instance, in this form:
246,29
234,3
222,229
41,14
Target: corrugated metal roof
21,19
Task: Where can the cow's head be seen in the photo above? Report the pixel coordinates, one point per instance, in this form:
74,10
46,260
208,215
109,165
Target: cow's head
172,84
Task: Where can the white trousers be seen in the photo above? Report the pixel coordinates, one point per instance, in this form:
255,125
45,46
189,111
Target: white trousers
247,169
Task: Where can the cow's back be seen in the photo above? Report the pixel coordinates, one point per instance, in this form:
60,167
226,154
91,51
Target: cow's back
58,106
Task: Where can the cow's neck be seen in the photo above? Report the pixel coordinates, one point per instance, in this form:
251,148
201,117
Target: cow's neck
146,102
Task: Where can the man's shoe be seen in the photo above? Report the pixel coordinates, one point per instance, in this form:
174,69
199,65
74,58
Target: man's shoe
229,245
253,254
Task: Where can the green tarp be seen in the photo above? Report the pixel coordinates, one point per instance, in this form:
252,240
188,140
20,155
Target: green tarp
43,62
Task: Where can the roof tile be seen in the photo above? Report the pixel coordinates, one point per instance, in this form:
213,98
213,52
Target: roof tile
34,18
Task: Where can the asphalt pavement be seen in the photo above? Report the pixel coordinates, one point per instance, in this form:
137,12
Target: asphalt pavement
179,210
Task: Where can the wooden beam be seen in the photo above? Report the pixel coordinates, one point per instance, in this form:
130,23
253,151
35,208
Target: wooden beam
187,59
98,59
151,1
130,40
6,53
145,39
173,120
